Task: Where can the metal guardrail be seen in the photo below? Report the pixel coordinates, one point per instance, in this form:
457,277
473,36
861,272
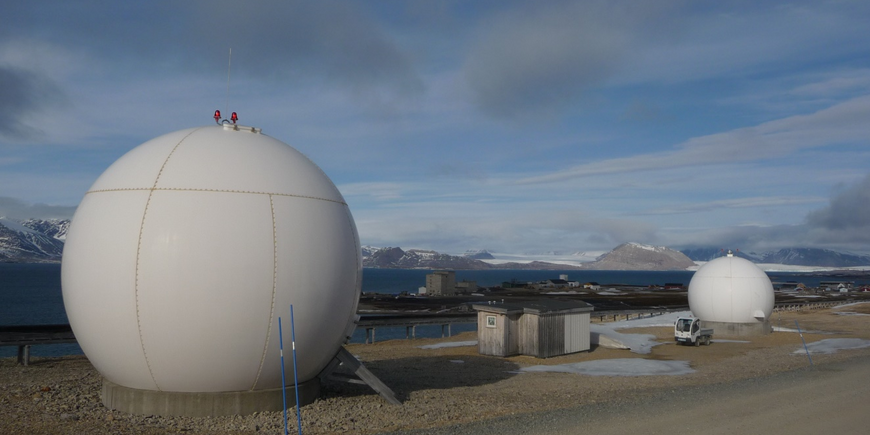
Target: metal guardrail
370,322
808,305
25,336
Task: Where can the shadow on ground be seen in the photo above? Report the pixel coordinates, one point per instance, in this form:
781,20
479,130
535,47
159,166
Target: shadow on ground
406,375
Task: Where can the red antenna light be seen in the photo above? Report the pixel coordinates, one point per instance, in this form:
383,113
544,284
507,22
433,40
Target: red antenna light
234,118
217,116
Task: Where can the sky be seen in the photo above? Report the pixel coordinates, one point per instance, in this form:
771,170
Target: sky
511,126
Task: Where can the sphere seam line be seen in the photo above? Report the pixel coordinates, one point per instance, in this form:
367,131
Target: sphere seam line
138,256
274,291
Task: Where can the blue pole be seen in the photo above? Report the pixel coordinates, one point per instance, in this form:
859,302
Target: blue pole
295,375
804,342
283,384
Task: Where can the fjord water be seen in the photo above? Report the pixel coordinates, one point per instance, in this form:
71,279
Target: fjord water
30,294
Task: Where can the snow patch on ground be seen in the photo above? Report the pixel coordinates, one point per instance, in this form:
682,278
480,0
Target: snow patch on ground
606,335
832,345
566,293
617,367
637,343
449,344
853,304
849,313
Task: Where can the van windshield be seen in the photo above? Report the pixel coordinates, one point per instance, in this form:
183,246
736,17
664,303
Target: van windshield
684,325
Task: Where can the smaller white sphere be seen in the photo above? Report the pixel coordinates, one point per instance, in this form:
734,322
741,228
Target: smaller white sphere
731,290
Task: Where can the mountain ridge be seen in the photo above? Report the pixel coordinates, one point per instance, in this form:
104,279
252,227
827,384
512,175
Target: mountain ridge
41,240
29,241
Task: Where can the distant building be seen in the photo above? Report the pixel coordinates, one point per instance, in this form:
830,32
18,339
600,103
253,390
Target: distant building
592,285
466,286
514,284
837,286
571,284
441,283
555,283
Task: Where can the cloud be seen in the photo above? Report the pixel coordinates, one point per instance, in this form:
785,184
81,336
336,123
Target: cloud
336,41
733,40
542,57
330,43
17,209
846,219
23,95
841,123
758,201
836,84
844,224
454,227
380,191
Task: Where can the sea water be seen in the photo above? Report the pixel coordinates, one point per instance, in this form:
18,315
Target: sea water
30,294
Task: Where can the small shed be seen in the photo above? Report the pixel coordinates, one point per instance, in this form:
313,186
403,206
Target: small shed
543,328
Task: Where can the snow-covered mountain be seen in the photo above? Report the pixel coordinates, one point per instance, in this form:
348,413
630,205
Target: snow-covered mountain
55,228
32,240
815,257
41,240
478,254
635,256
398,258
707,254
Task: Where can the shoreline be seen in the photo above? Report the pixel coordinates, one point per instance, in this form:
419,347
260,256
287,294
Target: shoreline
436,389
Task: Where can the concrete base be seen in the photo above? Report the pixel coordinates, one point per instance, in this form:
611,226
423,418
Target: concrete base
723,329
167,403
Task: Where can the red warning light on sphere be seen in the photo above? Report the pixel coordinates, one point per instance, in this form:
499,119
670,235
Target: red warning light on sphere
234,118
217,115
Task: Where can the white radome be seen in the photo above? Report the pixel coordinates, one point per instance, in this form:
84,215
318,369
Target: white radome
184,253
731,290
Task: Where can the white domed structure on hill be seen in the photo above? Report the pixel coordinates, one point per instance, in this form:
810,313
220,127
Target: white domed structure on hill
733,296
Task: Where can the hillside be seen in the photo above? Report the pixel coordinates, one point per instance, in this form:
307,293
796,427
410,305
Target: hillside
635,256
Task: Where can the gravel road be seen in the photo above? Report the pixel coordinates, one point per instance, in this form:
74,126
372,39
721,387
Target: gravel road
827,399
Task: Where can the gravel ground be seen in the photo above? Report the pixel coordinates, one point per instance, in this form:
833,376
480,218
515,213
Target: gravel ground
440,388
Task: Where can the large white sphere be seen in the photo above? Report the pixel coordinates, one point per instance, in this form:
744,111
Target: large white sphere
184,253
732,290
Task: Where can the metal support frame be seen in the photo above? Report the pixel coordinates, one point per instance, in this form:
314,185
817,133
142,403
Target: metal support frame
363,375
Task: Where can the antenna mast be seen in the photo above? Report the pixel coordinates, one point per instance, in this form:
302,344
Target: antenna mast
229,65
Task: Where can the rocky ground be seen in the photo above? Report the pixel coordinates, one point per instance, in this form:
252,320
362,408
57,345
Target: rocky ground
438,387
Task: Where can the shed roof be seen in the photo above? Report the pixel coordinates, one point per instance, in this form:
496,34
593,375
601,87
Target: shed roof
541,306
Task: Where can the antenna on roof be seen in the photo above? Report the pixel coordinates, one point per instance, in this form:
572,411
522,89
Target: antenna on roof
229,67
217,113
